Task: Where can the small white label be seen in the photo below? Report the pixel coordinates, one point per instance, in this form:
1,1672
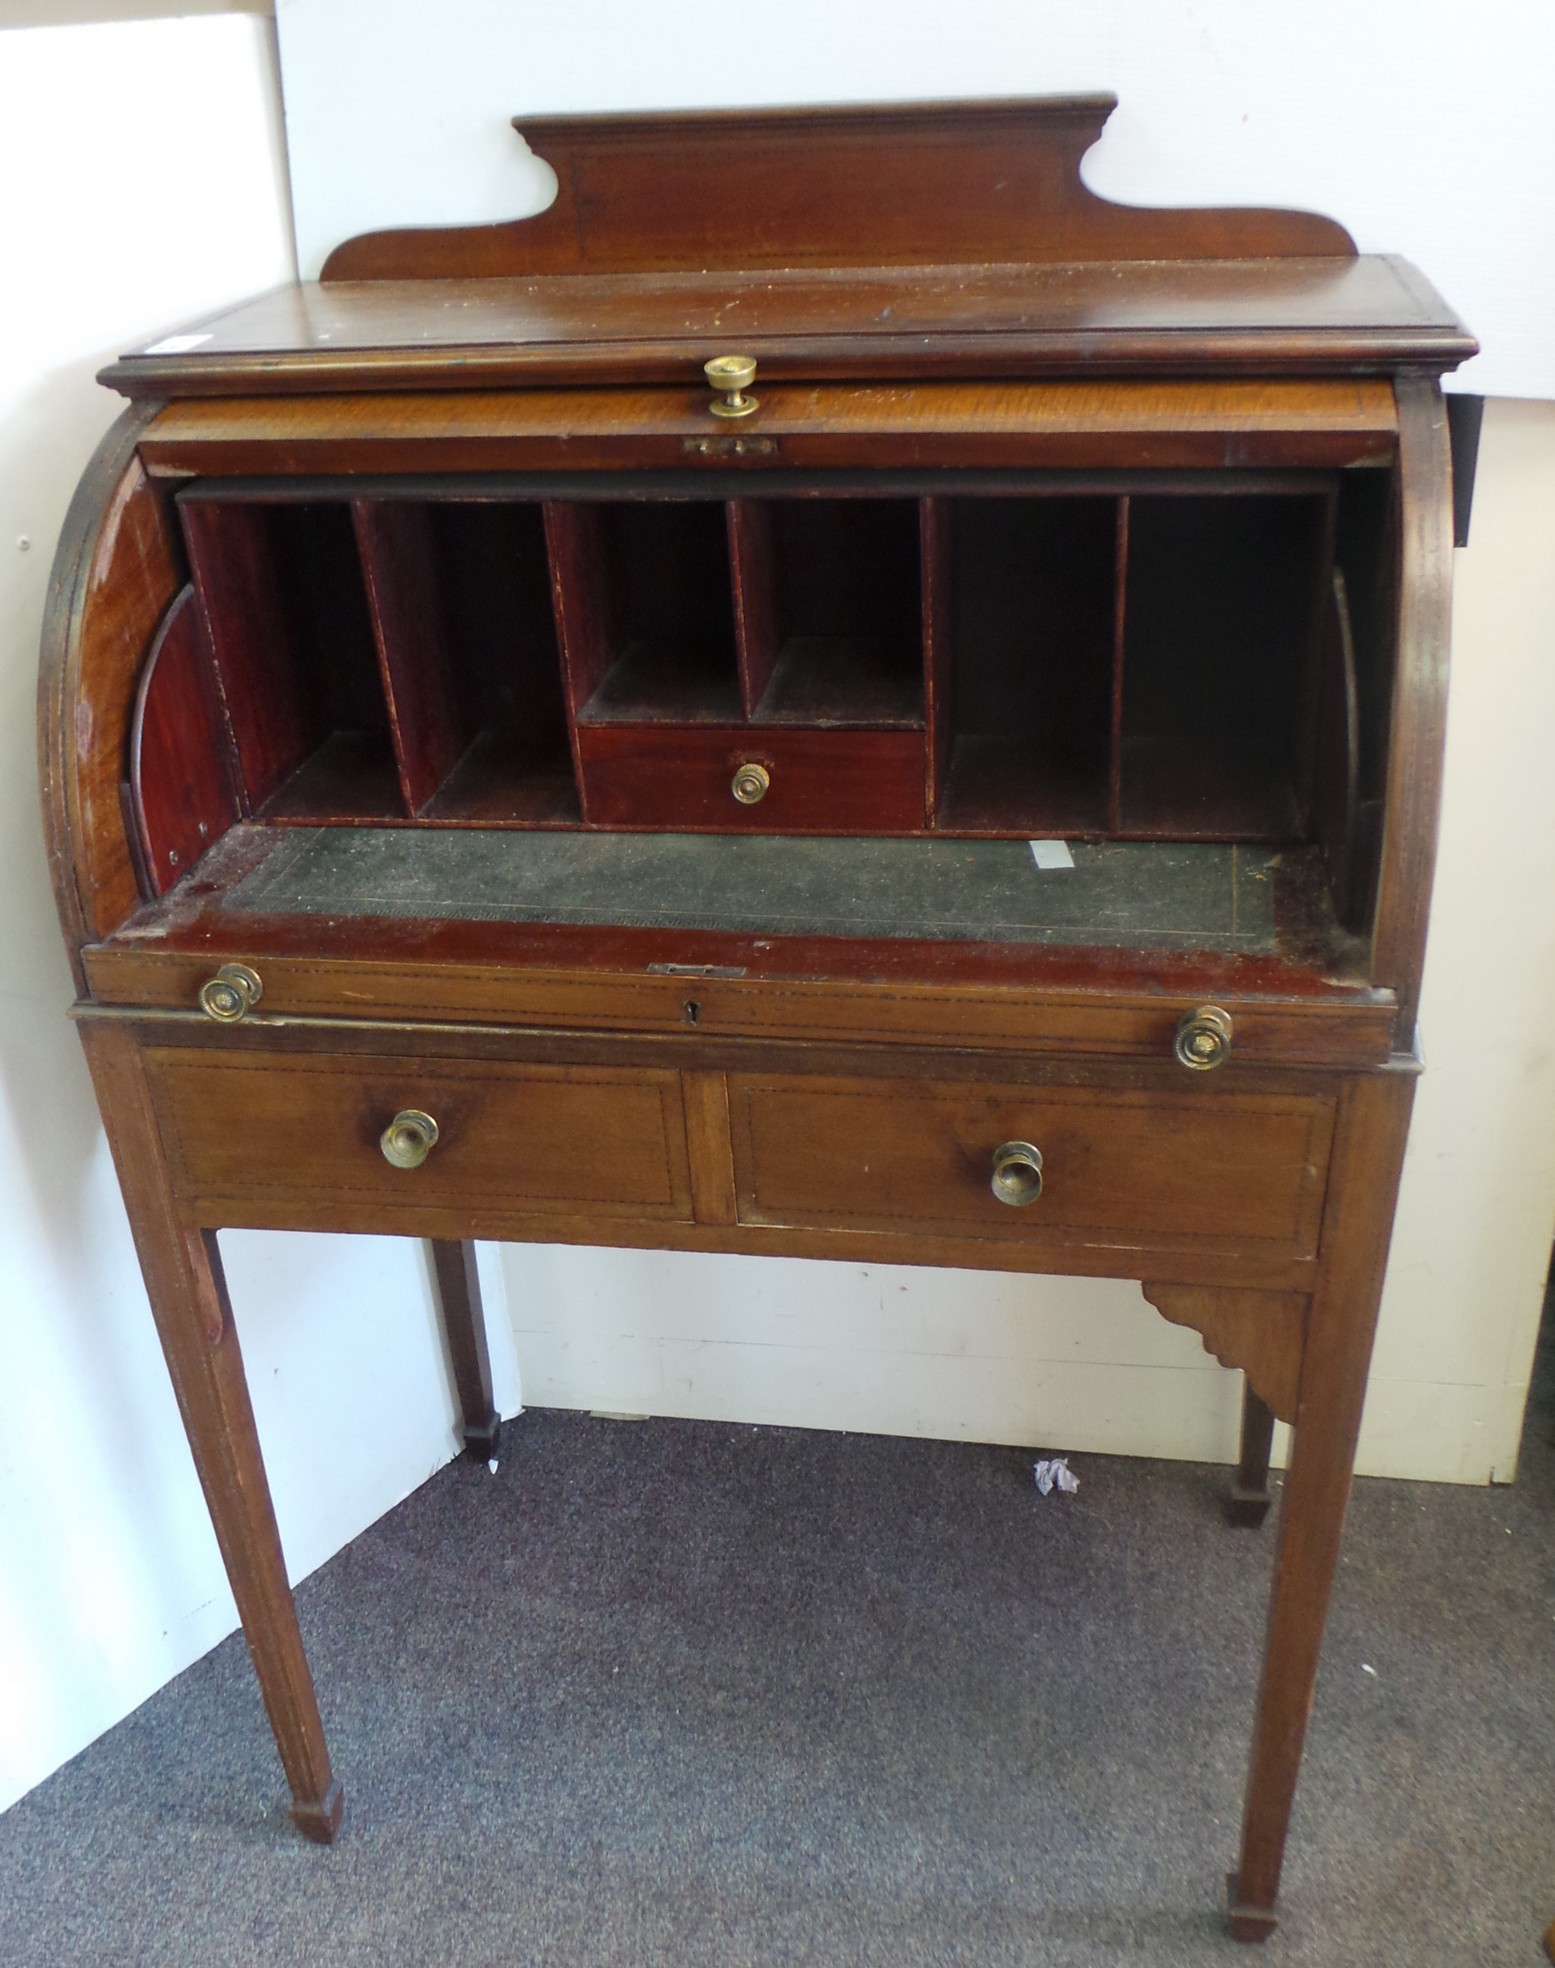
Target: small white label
1052,854
176,344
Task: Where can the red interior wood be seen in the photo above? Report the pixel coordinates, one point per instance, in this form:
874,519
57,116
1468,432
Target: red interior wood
180,789
583,616
256,656
755,596
431,725
937,579
296,666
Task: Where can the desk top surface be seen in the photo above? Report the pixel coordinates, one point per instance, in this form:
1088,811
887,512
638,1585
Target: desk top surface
1275,316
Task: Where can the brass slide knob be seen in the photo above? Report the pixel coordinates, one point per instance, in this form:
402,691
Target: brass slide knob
231,993
750,784
733,374
1017,1173
1203,1039
409,1138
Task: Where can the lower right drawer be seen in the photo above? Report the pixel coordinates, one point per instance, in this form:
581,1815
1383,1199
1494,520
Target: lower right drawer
1217,1169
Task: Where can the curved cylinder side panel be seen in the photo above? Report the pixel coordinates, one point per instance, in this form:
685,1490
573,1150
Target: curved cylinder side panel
1419,711
117,569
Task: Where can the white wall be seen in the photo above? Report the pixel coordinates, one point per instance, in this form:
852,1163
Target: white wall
144,182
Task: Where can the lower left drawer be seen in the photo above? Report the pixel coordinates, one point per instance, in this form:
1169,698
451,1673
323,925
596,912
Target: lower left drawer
283,1127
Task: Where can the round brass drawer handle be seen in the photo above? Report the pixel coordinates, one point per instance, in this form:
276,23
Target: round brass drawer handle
751,784
1203,1039
231,994
409,1138
733,374
1017,1173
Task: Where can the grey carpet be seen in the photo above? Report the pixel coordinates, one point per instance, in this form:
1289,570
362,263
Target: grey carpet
680,1693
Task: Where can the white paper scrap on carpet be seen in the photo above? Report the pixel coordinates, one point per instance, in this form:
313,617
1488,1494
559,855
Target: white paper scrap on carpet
1054,1473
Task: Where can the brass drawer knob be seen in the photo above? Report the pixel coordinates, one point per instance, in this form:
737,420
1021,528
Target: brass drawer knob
733,374
409,1138
1017,1173
231,994
751,784
1203,1039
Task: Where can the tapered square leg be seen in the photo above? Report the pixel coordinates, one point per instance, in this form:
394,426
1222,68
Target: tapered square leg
464,1323
320,1820
1249,1500
188,1294
1368,1154
1246,1923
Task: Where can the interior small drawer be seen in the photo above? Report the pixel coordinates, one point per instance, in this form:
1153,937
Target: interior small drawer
1216,1170
734,778
553,1140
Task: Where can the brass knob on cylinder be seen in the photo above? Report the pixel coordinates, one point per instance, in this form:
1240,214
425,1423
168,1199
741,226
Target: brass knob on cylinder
1203,1039
1017,1173
409,1138
750,784
733,374
231,994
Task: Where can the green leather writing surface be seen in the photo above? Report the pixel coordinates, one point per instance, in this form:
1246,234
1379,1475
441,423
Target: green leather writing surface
1164,894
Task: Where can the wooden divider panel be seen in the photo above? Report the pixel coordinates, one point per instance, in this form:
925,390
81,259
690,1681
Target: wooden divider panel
428,719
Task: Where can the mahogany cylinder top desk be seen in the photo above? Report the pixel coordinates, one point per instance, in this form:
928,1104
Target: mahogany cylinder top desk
544,733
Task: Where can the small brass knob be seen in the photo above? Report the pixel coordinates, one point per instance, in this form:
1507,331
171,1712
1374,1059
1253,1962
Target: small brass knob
231,994
409,1138
1203,1039
750,784
733,374
1017,1173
